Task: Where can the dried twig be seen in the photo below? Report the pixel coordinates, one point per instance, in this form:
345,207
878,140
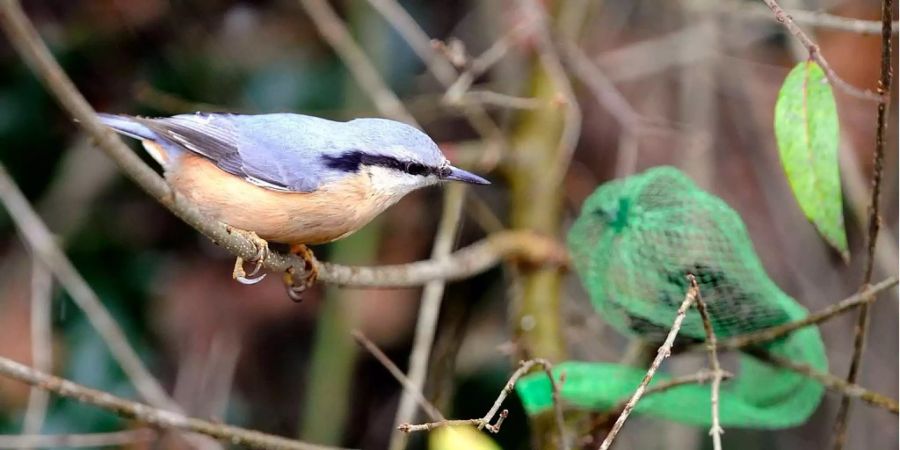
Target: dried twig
816,19
815,53
770,334
398,375
832,382
338,37
664,351
698,377
44,248
881,126
716,429
444,71
426,323
147,414
41,345
115,438
485,421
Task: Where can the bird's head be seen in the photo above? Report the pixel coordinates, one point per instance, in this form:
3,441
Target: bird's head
399,158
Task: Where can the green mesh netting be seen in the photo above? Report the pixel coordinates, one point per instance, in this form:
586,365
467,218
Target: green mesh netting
632,245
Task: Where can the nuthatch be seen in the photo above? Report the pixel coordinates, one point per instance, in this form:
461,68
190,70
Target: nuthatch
290,178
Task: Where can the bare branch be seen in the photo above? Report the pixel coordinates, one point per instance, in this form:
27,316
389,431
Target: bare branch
44,248
772,333
664,351
398,375
834,383
716,429
115,438
147,414
485,421
815,53
698,377
429,309
41,345
816,19
336,34
881,128
524,246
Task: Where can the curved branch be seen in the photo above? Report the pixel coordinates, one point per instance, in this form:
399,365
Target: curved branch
523,246
466,262
148,414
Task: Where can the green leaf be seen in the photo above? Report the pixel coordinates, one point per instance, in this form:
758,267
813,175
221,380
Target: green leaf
806,128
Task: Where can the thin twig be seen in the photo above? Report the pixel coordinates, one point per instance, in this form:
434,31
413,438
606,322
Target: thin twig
552,63
339,38
443,70
815,53
485,421
832,382
716,429
429,309
770,334
147,414
41,345
816,19
881,128
664,351
111,439
699,377
398,375
44,248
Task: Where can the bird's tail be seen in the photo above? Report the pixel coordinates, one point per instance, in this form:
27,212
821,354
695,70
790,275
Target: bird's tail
128,126
132,127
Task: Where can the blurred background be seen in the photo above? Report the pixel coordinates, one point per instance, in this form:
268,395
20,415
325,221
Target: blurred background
687,83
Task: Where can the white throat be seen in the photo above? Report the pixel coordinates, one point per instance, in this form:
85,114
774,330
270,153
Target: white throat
393,183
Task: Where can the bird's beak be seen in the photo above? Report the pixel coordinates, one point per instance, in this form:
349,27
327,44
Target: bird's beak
458,174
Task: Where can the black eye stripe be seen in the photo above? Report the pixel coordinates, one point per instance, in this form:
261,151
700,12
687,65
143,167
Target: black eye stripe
352,160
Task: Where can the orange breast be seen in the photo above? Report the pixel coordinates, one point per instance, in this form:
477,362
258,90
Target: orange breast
333,211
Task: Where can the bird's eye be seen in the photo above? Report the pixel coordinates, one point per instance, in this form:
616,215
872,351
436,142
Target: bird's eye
415,169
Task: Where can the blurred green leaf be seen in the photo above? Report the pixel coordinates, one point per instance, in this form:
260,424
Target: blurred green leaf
806,129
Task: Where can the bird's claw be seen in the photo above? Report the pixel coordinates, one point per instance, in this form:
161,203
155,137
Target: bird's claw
311,273
262,251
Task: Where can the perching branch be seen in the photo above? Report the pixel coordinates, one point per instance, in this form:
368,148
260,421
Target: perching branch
148,414
862,323
33,50
815,53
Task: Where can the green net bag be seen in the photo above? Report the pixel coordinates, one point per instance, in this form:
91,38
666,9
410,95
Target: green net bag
632,245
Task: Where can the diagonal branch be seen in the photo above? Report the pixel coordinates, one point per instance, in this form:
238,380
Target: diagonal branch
147,414
770,334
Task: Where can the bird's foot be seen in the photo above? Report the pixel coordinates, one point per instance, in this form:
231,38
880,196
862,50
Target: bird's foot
262,250
311,273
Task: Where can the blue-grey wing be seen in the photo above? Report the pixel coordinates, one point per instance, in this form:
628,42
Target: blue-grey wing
275,151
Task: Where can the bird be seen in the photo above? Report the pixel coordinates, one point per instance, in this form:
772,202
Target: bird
289,178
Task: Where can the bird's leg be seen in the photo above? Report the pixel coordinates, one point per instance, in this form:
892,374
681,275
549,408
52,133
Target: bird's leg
311,273
262,250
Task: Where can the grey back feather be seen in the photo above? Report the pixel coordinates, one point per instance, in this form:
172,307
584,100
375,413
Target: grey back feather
287,152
